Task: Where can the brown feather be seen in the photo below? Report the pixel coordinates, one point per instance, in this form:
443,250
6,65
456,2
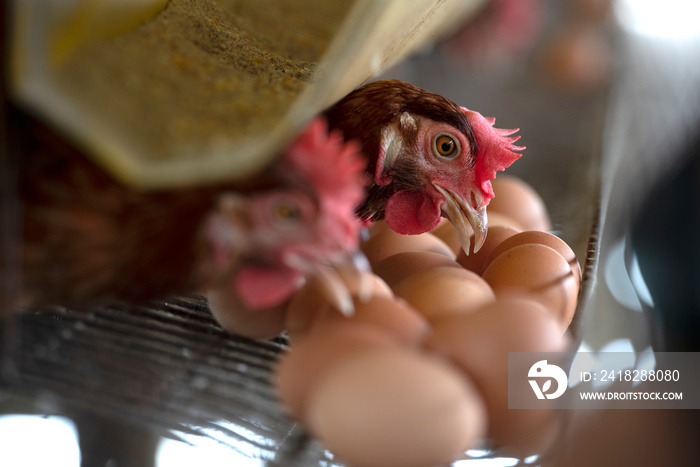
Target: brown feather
406,175
89,239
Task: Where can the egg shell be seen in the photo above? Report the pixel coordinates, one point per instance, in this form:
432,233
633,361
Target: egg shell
444,290
476,262
397,267
502,220
539,272
543,238
479,343
299,370
446,232
515,198
235,317
391,314
303,308
396,408
378,227
386,243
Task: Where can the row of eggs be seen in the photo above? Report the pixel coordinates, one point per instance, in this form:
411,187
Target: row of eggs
418,374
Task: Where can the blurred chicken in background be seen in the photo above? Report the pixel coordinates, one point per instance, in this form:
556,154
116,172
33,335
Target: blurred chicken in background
87,239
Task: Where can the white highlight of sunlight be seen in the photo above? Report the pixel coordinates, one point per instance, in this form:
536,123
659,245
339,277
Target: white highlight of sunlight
584,361
492,462
617,280
37,441
618,354
638,282
615,355
645,361
212,449
206,451
619,346
675,19
476,461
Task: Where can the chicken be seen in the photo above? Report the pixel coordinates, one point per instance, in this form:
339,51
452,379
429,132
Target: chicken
427,157
503,31
301,227
88,239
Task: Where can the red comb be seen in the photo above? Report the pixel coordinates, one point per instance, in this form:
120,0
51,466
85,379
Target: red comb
334,169
495,146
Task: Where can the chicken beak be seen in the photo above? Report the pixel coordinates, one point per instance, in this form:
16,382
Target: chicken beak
463,215
337,284
354,274
329,284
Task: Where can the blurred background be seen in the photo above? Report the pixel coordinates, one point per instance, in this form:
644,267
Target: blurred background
606,94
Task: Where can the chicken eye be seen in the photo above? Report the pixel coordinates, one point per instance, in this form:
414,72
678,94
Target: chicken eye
286,212
446,146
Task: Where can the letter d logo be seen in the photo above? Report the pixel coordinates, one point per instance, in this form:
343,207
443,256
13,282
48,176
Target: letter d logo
542,369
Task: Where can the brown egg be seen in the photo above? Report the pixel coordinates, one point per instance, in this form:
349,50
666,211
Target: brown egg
496,219
401,265
396,408
476,262
446,232
444,290
393,315
299,370
302,311
543,238
377,227
304,306
234,317
386,243
539,272
516,199
479,343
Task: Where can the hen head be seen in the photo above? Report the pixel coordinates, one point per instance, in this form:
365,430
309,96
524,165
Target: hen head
269,240
428,157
